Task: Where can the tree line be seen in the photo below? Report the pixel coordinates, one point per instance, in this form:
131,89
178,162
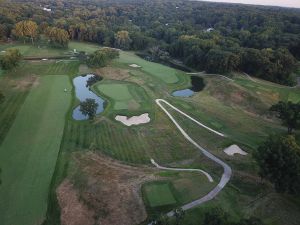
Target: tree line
218,38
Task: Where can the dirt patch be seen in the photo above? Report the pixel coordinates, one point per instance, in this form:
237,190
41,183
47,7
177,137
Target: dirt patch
109,189
113,73
73,212
25,83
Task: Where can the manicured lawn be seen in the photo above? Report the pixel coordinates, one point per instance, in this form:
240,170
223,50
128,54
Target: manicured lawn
29,152
164,73
30,50
45,51
52,67
81,46
125,95
159,194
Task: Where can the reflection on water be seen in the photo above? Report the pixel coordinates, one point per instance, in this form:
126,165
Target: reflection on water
82,89
197,85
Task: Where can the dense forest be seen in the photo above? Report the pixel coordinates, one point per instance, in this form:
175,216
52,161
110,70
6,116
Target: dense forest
218,38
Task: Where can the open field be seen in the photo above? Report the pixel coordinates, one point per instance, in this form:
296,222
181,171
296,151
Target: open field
29,152
40,68
164,73
28,50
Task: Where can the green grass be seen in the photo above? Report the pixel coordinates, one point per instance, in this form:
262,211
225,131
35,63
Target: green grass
46,68
82,46
125,95
29,152
42,50
268,91
164,73
28,50
159,194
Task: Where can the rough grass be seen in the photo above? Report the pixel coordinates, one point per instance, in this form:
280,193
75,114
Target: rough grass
164,73
29,152
159,194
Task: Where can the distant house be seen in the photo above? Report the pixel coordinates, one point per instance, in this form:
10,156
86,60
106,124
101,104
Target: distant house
46,9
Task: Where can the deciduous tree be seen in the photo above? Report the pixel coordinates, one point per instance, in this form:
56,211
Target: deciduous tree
89,108
289,113
10,59
278,159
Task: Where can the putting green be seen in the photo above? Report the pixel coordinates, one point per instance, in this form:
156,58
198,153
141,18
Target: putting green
159,194
164,73
124,95
29,152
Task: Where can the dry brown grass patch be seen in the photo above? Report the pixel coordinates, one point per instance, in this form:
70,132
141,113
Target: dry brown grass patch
113,73
110,190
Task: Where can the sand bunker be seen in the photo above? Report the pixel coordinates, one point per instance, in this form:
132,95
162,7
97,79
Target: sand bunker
234,149
134,120
135,66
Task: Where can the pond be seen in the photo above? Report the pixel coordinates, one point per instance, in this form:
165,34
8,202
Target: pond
197,86
83,91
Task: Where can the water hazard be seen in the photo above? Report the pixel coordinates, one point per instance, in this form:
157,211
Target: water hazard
197,86
83,91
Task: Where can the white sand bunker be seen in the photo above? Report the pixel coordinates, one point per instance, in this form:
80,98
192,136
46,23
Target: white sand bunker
134,120
234,149
135,66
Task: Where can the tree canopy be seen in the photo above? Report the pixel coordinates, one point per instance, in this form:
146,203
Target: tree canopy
89,108
102,57
10,59
219,38
26,28
289,113
278,159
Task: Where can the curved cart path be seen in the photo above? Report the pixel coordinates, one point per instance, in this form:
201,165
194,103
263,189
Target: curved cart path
227,170
184,170
208,74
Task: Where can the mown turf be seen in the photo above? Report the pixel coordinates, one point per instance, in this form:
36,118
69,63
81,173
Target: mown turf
41,68
28,50
159,194
164,73
41,50
125,95
29,152
81,46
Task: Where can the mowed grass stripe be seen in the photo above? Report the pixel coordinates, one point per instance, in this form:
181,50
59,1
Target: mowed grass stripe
9,109
29,152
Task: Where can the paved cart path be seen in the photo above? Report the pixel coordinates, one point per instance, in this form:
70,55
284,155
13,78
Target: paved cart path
227,170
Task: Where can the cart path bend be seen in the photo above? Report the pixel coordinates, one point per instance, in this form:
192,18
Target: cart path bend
227,170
